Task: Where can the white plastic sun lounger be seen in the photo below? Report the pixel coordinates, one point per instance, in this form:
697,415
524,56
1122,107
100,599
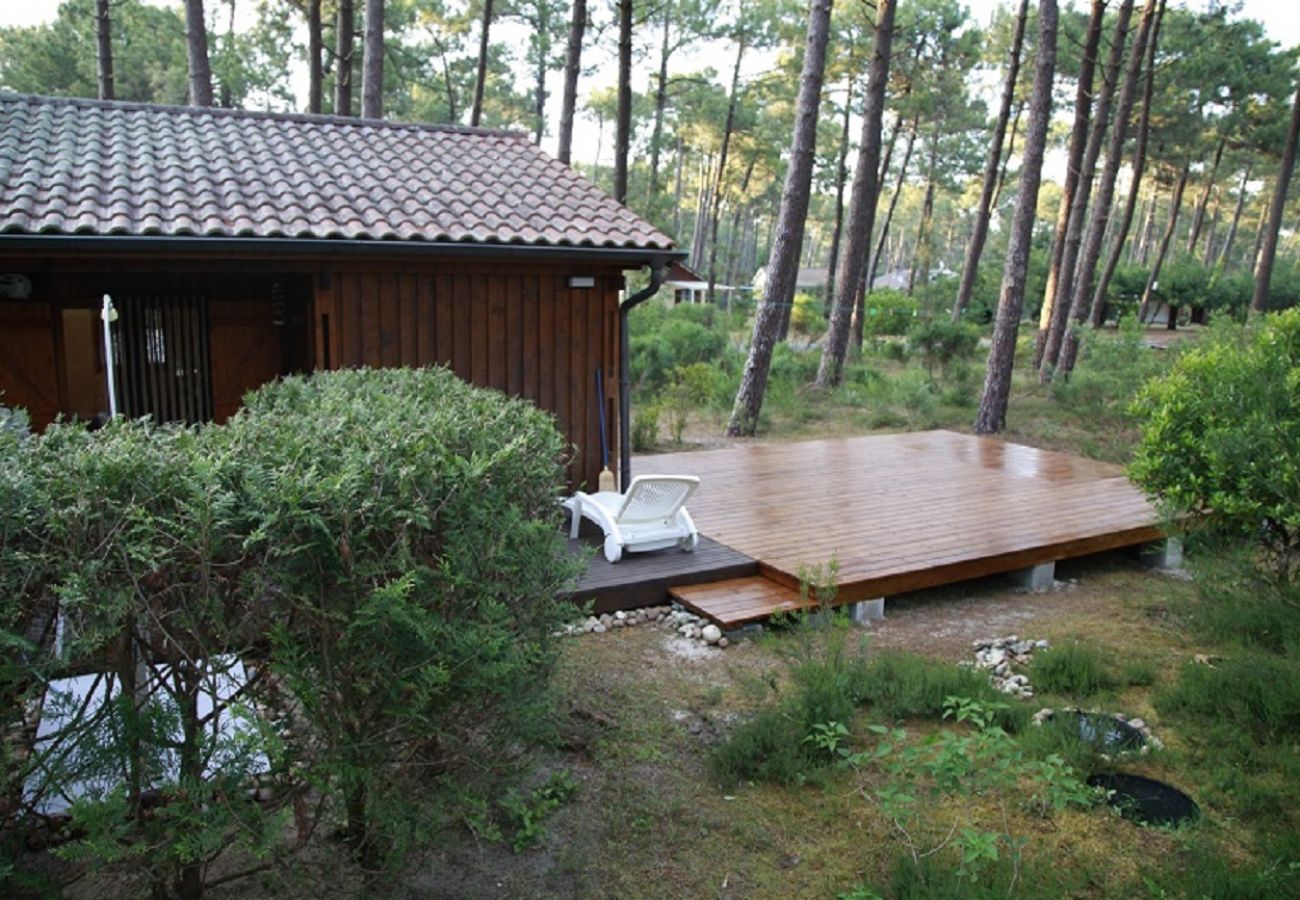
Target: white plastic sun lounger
650,516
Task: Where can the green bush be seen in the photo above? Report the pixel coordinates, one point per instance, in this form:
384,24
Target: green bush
407,525
645,426
1072,669
144,556
807,317
1110,372
940,343
1220,430
679,338
888,312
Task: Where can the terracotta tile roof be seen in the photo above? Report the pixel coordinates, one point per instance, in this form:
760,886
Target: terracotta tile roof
85,167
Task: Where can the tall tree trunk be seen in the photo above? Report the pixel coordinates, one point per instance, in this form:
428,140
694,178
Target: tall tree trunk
1264,270
1139,167
196,48
572,68
1222,262
1006,157
862,202
623,126
841,179
677,191
661,106
921,254
1079,133
543,24
975,247
1260,226
372,68
1212,229
315,57
344,40
480,80
860,293
874,268
733,237
992,415
1068,275
1147,237
1175,207
1091,249
1203,202
104,49
715,209
783,267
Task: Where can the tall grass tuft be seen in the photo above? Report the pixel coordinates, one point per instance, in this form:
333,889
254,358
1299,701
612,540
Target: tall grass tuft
904,685
1074,670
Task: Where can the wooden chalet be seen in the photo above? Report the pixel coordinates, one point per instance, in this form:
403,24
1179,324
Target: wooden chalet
238,247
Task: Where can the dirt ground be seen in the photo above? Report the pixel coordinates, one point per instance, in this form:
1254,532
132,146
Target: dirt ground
643,709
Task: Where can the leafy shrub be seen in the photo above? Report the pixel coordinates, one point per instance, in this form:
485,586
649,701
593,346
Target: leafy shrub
679,340
691,388
145,558
1110,372
645,426
888,312
806,317
1074,669
793,367
1220,430
407,524
940,342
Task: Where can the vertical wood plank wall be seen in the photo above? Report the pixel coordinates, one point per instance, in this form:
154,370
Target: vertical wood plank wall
521,331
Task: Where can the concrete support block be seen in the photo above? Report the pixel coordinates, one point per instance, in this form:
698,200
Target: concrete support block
865,611
1166,554
1036,578
752,630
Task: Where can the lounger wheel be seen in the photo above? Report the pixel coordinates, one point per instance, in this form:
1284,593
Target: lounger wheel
613,549
689,543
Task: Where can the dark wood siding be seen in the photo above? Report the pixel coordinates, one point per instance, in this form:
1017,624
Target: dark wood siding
522,331
29,375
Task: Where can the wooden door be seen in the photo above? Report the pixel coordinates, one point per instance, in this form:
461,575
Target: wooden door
29,376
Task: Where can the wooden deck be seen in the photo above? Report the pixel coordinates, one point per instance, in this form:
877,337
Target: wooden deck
898,513
644,579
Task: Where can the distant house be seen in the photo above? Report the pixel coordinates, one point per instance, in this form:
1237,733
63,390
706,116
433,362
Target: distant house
240,246
808,280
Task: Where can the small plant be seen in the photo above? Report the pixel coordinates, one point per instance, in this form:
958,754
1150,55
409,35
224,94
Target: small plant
526,812
980,759
645,426
691,388
1073,669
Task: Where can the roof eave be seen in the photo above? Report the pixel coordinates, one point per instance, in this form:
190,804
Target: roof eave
300,247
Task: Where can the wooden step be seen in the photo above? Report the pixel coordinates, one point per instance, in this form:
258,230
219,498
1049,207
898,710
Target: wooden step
737,601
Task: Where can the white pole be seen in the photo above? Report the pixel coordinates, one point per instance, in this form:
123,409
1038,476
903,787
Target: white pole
108,315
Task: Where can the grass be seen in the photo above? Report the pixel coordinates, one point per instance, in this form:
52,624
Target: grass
1076,670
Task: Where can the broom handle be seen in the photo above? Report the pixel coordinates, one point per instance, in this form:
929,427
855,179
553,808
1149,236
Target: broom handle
600,396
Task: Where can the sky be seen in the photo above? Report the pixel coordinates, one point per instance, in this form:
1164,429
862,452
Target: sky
1281,18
